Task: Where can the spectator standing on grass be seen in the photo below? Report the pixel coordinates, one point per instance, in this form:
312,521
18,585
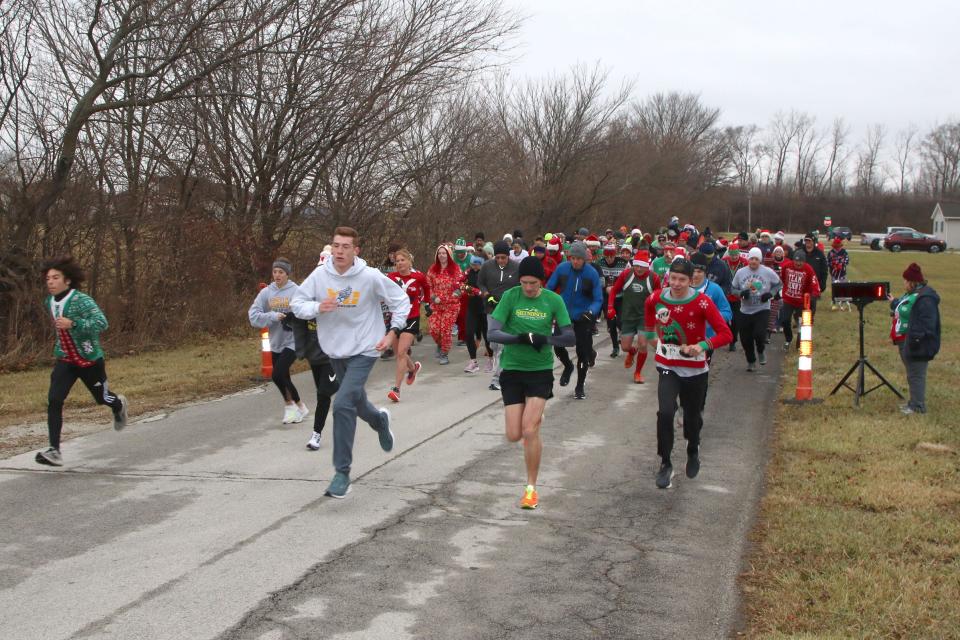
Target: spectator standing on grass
345,295
814,256
271,310
916,332
838,259
78,323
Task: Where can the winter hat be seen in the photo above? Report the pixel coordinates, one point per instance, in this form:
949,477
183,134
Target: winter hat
668,245
913,273
779,250
734,249
708,249
636,232
578,250
683,266
610,249
779,235
743,236
283,263
755,253
553,245
809,236
538,248
488,249
641,259
680,253
501,247
592,241
531,266
476,260
699,261
582,231
460,245
508,238
837,243
547,237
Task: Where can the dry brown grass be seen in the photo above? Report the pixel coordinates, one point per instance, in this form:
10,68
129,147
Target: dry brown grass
859,533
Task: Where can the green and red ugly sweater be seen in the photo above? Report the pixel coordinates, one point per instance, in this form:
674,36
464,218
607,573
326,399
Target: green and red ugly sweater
675,323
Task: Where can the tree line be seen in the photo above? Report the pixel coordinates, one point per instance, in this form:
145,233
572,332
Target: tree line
176,148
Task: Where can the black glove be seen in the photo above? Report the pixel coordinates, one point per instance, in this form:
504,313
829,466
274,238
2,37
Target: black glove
587,316
524,338
287,321
427,310
765,297
538,341
745,294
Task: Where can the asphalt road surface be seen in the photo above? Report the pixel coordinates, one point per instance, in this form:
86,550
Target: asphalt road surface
210,522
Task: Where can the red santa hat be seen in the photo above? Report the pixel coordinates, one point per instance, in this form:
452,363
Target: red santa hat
680,253
554,245
592,241
641,259
609,249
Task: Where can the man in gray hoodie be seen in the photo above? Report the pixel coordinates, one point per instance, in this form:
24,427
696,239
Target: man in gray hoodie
496,277
344,295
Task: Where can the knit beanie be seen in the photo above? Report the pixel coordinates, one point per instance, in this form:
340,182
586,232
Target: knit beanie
578,250
280,263
531,266
708,249
913,273
500,247
755,253
699,261
488,249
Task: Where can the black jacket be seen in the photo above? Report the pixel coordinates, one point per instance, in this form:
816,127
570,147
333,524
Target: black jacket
923,332
818,261
307,345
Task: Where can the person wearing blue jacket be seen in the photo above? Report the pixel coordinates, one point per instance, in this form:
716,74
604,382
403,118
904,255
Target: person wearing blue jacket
701,283
716,271
579,285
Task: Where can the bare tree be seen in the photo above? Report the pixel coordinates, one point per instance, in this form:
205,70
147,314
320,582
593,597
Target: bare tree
940,151
870,172
905,147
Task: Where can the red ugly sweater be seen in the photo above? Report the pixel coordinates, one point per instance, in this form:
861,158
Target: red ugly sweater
797,282
417,288
682,322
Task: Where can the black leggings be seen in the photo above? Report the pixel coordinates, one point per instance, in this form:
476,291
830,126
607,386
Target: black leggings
61,381
753,332
613,324
692,390
583,329
477,330
281,373
327,384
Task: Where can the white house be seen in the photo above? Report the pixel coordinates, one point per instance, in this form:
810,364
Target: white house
946,223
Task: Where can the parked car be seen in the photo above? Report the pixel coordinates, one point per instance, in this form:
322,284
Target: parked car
904,240
875,240
844,233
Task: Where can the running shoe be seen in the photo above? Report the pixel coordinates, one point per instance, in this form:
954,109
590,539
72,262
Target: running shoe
50,457
339,486
786,347
314,443
628,361
304,411
412,375
762,358
443,359
120,416
297,414
638,377
751,367
494,386
579,393
664,476
693,465
394,394
732,347
386,435
290,413
593,358
615,353
565,376
386,355
461,343
529,499
472,367
488,365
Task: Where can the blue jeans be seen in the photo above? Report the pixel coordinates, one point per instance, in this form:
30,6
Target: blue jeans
350,402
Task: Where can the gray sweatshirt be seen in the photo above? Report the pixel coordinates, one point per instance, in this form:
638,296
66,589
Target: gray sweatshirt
263,313
494,281
763,280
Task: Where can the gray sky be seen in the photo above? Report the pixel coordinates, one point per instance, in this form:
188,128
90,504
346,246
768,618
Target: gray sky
894,63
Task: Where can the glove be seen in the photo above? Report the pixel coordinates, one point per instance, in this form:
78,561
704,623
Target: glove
428,310
745,294
538,341
525,338
286,319
493,301
611,313
587,316
765,297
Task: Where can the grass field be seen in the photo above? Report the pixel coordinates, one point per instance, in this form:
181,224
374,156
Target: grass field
859,531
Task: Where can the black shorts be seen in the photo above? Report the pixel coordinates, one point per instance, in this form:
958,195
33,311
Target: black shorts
517,386
412,326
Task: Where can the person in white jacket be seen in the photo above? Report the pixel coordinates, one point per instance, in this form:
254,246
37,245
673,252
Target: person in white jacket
344,295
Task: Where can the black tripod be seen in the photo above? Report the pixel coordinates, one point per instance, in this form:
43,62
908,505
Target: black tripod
861,364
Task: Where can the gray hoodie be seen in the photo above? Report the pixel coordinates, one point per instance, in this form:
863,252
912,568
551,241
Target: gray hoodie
263,313
356,325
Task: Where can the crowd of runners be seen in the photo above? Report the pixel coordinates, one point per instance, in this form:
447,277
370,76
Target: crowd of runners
514,304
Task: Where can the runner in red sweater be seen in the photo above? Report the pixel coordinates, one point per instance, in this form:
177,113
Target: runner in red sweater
677,316
798,279
415,284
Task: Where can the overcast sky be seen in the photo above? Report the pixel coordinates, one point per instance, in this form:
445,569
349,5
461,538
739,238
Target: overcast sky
894,63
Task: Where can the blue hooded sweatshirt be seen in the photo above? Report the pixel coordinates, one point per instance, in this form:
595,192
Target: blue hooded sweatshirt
581,290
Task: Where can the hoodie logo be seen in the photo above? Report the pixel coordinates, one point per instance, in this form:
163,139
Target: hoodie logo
346,297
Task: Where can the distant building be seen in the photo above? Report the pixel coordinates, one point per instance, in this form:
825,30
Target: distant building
946,223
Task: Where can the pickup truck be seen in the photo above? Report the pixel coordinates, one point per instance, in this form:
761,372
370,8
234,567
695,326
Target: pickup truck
875,240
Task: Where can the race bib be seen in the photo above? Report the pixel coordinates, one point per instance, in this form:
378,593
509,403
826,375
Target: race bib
672,352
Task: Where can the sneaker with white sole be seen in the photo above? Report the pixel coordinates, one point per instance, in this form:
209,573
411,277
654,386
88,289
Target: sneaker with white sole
50,457
290,413
488,366
339,486
664,476
303,410
386,435
314,443
120,417
443,359
394,394
472,367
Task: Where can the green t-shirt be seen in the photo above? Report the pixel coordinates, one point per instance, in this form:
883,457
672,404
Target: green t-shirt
520,314
660,266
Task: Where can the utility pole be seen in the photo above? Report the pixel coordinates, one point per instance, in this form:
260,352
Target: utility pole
749,215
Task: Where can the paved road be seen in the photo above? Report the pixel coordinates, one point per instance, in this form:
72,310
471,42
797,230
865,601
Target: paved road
210,523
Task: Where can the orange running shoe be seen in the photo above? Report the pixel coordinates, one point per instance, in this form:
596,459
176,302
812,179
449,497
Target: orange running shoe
394,394
529,500
412,375
628,361
638,377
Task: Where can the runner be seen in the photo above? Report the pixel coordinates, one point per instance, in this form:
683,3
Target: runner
417,288
775,261
677,316
634,285
523,322
756,285
661,265
324,377
581,289
476,317
271,310
444,277
611,266
734,262
798,279
78,323
344,295
495,278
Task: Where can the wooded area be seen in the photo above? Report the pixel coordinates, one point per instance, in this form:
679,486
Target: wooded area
176,148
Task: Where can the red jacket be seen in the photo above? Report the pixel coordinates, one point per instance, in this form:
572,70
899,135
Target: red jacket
797,282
